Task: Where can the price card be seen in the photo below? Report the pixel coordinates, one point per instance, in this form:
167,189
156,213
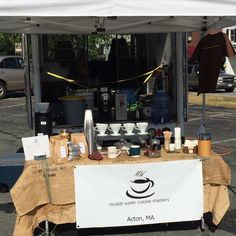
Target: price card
36,146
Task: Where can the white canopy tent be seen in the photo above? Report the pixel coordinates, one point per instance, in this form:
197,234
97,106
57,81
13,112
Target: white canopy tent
116,7
114,16
118,24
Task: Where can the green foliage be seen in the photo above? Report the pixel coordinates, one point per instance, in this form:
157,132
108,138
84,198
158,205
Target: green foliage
94,44
7,43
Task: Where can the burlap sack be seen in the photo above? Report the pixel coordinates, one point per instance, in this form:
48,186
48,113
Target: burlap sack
58,214
216,201
42,183
59,148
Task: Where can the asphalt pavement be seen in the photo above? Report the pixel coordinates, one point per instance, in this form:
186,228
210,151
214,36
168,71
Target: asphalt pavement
220,122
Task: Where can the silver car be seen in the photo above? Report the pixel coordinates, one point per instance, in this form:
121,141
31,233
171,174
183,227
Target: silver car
225,81
11,74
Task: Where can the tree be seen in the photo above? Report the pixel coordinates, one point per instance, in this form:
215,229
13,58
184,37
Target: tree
7,43
94,44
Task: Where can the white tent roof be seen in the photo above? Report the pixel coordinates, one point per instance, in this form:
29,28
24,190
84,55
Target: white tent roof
132,16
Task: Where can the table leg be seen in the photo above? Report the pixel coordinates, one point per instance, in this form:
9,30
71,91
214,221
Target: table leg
202,224
47,228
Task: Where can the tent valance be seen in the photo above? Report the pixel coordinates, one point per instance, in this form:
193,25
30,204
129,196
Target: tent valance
114,16
111,25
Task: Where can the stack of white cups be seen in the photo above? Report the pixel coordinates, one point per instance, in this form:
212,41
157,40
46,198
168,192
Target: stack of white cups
177,138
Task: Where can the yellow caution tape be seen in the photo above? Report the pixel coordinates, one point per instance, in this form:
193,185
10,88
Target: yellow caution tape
67,80
148,74
136,77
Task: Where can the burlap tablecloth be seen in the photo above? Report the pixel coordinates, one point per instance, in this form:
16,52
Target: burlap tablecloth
45,190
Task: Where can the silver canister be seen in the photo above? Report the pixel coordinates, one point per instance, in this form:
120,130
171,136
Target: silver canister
89,131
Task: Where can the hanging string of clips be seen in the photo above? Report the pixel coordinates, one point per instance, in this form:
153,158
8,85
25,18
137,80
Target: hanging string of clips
148,75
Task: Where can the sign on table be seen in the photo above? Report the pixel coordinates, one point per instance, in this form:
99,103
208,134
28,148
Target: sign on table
138,194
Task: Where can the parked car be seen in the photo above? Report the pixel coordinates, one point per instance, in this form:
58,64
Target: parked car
11,74
225,81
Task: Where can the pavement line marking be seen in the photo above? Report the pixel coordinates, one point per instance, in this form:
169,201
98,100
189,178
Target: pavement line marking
224,141
23,114
211,116
18,105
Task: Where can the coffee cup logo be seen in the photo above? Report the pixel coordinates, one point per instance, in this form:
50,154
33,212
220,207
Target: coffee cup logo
140,188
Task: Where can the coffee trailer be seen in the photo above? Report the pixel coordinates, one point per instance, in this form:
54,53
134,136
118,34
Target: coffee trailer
137,82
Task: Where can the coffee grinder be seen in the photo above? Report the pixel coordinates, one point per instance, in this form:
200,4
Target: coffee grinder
104,104
43,120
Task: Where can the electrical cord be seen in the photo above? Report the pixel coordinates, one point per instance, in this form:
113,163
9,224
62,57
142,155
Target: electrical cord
232,189
221,150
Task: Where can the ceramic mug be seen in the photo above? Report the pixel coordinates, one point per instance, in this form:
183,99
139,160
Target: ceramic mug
101,128
134,151
113,152
114,128
142,127
128,127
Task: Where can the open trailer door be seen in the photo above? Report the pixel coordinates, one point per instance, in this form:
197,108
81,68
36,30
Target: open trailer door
151,50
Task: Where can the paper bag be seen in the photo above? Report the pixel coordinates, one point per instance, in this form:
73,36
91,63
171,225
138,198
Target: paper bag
59,148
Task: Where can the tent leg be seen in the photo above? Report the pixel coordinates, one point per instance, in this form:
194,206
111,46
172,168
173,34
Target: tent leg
204,109
202,128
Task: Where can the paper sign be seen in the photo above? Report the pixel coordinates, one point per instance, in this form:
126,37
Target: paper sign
36,146
138,194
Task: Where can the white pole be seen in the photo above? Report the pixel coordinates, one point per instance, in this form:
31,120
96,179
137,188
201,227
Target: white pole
202,128
179,79
204,109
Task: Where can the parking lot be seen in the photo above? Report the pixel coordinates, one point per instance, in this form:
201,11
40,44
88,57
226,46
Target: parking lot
220,122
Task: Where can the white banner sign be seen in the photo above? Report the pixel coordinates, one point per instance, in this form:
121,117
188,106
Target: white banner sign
137,194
